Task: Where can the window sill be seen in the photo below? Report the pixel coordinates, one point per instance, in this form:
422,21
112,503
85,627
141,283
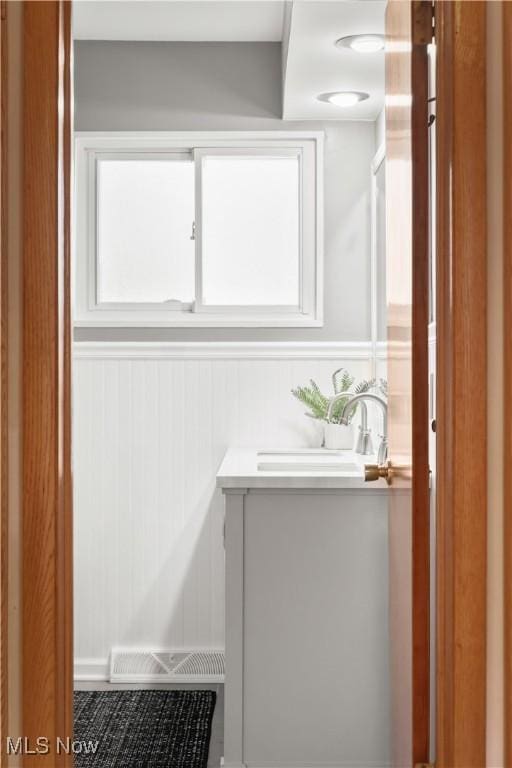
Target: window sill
202,321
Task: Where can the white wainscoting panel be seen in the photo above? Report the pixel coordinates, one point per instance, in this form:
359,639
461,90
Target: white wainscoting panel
151,425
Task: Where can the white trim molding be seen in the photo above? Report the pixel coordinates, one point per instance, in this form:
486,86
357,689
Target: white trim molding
226,350
91,670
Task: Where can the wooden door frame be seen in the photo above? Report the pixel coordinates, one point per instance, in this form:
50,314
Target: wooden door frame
507,370
408,32
47,536
421,693
47,663
461,382
3,381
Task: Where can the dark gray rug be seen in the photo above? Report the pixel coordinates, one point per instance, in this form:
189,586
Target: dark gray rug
143,729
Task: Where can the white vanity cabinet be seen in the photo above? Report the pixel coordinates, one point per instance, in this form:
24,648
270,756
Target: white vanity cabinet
307,646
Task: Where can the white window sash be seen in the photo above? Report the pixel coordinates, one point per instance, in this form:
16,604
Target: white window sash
200,304
95,158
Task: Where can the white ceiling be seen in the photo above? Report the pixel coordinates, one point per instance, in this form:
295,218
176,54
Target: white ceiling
179,20
307,28
315,65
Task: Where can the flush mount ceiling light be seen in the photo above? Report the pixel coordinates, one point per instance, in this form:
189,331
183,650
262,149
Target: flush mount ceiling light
343,98
362,43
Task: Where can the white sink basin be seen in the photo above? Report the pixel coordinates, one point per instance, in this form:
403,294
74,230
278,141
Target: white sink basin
307,461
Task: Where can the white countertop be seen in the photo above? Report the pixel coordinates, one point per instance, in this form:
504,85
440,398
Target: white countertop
239,469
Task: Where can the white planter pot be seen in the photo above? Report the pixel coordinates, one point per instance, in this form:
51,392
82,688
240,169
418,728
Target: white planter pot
339,436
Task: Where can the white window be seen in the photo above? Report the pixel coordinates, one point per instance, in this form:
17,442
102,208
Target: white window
144,253
198,229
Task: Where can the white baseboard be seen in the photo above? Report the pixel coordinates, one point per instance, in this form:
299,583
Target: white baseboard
94,670
91,670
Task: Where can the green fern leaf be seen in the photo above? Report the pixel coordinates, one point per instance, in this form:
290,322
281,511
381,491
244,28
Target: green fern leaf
364,386
313,400
341,381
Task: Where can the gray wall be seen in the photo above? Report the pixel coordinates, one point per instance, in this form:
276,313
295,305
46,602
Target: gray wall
133,86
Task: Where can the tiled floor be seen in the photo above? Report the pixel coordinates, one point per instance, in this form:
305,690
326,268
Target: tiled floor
217,737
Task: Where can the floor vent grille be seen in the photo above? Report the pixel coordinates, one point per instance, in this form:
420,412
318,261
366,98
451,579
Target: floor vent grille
183,666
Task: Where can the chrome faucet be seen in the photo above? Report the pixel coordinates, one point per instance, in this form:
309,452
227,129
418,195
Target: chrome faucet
382,453
364,444
364,440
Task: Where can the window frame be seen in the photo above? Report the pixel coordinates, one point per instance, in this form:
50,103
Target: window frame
92,147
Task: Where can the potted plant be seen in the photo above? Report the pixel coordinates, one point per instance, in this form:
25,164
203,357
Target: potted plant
336,434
